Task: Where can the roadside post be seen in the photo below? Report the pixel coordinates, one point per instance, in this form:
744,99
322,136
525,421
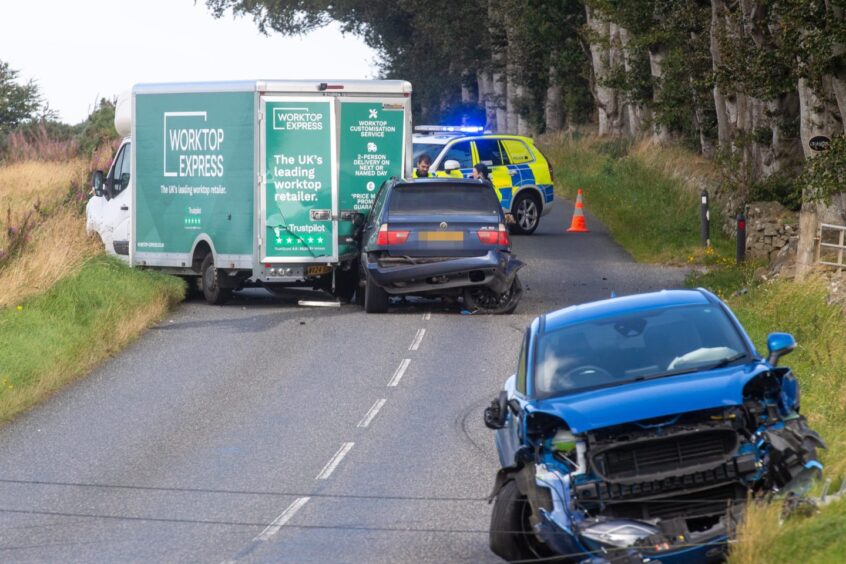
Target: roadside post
704,220
741,238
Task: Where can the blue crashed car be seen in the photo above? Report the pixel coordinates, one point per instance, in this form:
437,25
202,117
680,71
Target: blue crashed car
635,428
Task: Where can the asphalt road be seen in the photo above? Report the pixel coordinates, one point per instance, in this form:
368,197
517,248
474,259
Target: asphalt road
263,431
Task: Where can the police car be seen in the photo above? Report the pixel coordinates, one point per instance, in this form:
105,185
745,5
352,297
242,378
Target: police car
518,170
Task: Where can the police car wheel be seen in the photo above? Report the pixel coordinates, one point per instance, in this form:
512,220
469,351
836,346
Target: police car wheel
526,212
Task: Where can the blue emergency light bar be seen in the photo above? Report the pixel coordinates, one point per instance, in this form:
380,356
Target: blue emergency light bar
449,128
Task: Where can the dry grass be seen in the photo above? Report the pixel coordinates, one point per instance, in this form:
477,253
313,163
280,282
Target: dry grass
758,531
693,171
30,184
58,249
24,184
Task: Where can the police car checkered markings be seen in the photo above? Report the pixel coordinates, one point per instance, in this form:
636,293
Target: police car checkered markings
515,163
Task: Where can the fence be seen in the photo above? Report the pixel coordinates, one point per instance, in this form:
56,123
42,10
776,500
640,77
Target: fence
829,252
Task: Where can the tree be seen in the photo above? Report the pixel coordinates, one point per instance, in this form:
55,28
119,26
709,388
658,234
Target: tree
19,103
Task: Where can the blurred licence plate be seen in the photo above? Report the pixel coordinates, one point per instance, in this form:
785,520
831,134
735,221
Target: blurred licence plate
318,270
441,235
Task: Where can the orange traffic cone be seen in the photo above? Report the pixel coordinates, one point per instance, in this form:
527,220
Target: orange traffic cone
578,224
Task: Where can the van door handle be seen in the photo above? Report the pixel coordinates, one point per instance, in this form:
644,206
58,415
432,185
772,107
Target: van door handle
124,208
513,172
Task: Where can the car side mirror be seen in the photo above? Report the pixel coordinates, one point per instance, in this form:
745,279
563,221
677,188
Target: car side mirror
97,182
778,345
451,165
497,412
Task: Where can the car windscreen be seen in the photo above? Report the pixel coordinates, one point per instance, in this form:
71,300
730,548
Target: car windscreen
443,199
637,346
430,149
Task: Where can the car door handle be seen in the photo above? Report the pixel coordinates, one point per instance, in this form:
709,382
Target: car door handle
513,172
124,208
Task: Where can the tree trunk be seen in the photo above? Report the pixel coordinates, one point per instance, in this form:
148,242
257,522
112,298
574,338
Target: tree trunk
554,107
657,56
723,133
608,104
636,113
510,97
468,94
486,99
498,64
817,117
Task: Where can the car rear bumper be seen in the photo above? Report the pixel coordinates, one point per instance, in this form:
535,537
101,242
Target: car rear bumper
495,270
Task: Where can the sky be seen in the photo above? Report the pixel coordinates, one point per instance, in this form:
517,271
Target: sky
81,50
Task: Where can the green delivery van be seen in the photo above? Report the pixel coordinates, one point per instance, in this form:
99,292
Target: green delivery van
251,183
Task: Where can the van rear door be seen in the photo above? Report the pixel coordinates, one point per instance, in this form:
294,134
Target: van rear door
298,170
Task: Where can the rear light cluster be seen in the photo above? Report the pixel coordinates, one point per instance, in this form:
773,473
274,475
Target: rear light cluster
498,237
387,237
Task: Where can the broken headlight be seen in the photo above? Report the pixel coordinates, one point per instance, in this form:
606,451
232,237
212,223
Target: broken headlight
622,533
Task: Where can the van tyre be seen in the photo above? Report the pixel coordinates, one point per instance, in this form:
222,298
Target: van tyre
526,210
375,298
346,283
510,534
213,281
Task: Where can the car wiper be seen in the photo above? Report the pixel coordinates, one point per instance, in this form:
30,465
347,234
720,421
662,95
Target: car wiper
724,362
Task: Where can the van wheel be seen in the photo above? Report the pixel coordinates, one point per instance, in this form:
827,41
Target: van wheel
212,280
526,211
375,298
346,283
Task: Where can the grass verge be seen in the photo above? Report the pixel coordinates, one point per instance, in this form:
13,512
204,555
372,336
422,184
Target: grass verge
644,196
55,337
801,308
638,197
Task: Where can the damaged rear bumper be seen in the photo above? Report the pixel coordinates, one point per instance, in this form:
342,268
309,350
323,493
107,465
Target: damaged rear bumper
495,270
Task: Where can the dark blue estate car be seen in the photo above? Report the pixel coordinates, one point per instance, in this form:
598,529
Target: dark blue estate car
439,237
635,429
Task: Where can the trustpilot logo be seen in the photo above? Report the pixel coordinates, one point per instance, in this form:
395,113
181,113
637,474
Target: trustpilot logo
190,147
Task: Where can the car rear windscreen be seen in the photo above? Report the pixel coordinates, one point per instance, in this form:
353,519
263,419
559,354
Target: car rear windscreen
429,199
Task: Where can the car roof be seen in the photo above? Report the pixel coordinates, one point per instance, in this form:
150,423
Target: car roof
442,180
623,305
444,138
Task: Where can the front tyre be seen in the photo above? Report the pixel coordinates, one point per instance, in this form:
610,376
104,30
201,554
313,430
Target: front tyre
213,280
485,300
526,211
510,534
375,297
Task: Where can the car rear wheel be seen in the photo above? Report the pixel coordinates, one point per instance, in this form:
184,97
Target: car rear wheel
212,280
526,211
375,298
510,534
485,300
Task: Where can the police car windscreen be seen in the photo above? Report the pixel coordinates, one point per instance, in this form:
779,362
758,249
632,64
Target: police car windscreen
423,199
430,149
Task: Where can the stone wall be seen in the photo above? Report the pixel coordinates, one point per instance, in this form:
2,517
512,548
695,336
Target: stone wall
770,227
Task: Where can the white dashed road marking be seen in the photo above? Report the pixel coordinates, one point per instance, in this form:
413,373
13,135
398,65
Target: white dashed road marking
399,373
427,316
371,415
280,521
418,338
335,461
